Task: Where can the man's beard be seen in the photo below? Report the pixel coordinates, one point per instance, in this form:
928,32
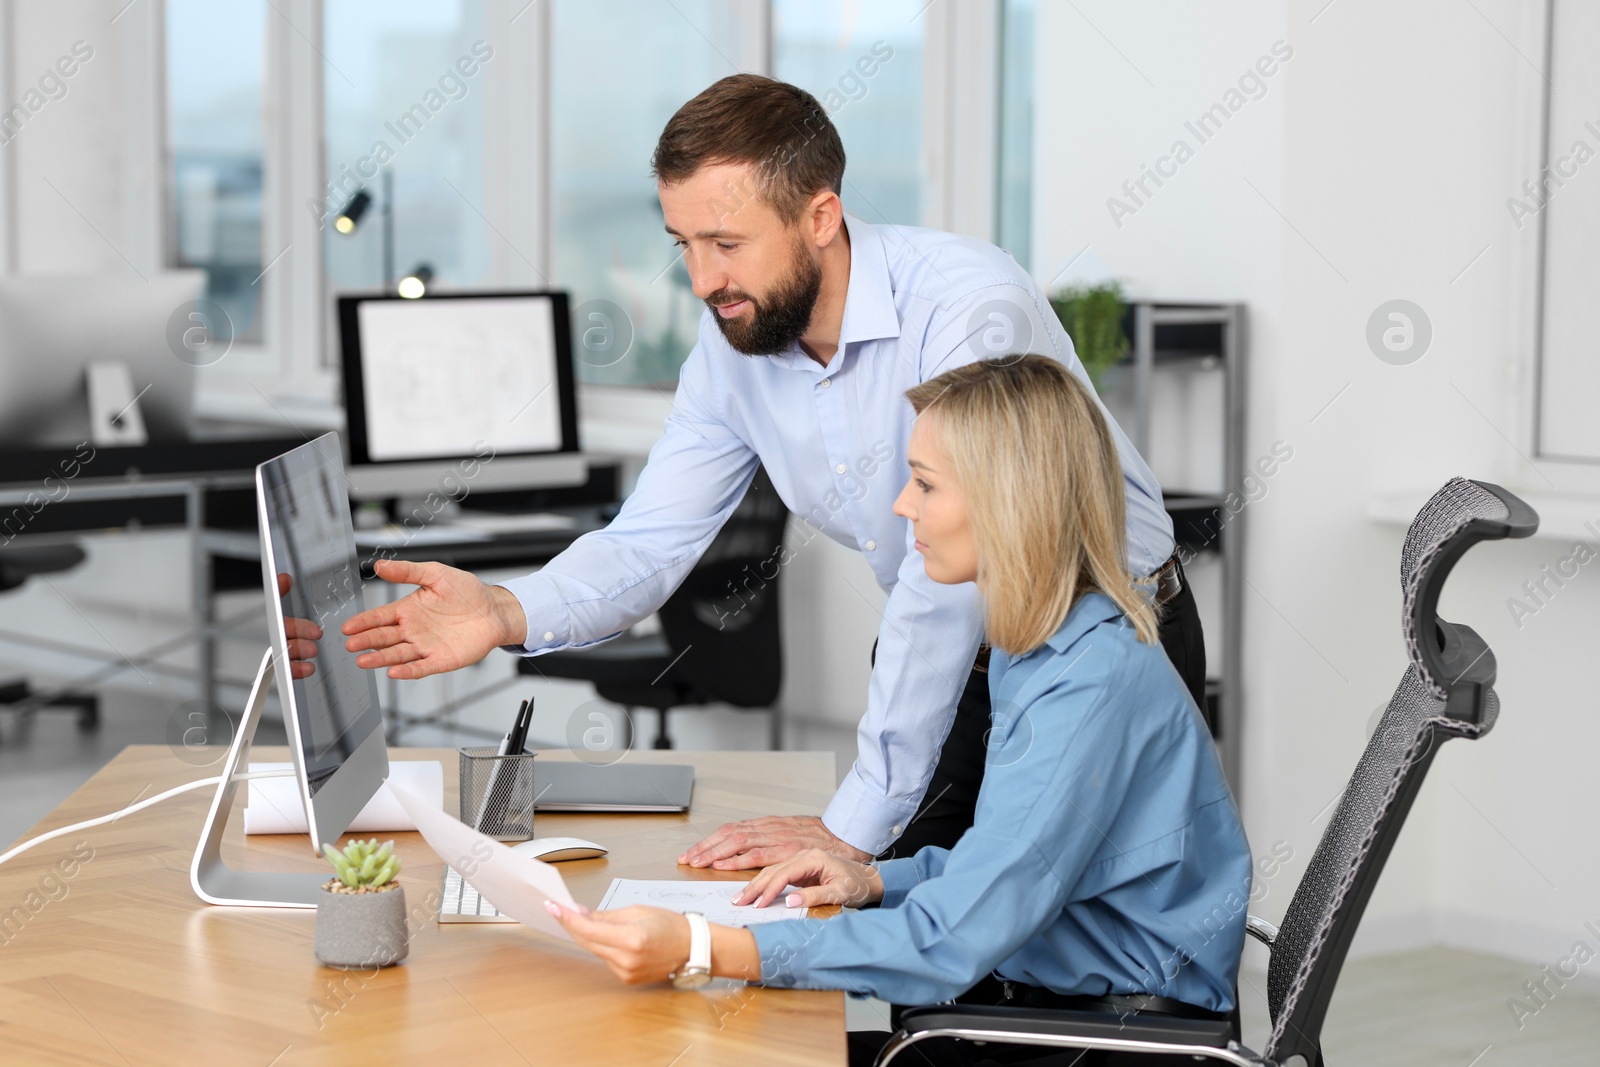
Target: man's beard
778,319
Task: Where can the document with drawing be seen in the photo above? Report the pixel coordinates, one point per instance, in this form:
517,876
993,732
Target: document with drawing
714,900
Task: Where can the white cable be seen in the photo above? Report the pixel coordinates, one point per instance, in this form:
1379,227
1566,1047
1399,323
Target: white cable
140,806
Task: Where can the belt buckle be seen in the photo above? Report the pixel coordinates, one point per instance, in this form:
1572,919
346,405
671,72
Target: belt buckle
1168,583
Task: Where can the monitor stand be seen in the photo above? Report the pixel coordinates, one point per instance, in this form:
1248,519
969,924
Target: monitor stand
214,880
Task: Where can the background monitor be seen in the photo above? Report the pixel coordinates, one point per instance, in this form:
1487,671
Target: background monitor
334,721
53,327
484,379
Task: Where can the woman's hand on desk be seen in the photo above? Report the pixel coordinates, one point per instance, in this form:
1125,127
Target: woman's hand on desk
649,944
451,620
739,846
822,878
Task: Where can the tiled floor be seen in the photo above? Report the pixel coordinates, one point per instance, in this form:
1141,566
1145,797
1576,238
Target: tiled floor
1441,1007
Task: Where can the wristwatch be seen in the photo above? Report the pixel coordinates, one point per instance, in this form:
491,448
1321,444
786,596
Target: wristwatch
695,974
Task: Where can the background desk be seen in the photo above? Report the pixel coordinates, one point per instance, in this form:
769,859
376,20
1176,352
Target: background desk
127,966
173,484
208,489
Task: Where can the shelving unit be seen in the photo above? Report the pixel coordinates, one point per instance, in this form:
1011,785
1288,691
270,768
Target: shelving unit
1199,340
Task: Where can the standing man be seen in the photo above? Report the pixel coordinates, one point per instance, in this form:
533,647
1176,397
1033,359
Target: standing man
816,325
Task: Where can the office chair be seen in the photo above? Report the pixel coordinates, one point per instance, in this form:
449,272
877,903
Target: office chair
17,565
1446,692
719,640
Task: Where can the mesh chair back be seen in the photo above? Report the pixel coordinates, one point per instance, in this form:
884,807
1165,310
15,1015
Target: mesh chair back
1445,692
723,619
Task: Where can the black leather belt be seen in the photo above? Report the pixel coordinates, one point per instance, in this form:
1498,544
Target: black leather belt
1169,581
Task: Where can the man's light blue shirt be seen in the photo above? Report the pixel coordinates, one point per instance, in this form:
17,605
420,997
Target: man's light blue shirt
1105,856
833,440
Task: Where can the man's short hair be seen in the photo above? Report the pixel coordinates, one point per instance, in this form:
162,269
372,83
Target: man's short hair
746,119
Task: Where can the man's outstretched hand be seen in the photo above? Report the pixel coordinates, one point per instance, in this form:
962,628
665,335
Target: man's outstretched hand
451,620
739,846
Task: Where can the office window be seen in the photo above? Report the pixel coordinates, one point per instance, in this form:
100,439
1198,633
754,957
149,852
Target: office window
620,70
864,63
1014,182
214,62
404,91
403,94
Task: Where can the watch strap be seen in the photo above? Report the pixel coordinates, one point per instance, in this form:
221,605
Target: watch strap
699,943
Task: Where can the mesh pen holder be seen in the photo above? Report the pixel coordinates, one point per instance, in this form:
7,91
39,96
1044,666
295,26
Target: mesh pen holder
497,793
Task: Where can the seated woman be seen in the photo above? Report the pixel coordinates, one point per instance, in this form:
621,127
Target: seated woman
1106,860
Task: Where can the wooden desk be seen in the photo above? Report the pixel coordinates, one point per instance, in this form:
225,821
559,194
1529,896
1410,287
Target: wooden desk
126,966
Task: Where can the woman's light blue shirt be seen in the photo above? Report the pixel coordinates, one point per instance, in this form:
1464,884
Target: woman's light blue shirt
1106,855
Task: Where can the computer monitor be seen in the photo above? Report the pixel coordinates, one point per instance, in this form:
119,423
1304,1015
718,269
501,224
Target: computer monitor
330,706
308,554
53,327
459,382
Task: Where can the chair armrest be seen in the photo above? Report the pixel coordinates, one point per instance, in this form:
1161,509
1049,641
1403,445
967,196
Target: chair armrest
1261,930
1057,1028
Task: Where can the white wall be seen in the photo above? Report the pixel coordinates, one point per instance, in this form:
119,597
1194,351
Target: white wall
1376,166
84,164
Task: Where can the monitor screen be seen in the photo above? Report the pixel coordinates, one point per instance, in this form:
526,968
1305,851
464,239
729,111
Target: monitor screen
442,377
330,704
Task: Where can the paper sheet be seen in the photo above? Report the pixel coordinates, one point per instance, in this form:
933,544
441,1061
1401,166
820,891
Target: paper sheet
515,884
274,805
714,900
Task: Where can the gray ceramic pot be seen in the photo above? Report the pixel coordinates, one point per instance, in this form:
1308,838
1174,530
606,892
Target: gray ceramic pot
359,931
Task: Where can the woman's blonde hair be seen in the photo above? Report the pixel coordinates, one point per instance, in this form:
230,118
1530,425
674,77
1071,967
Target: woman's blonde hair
1032,454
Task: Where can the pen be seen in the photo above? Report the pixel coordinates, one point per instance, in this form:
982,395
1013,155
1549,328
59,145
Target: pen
501,777
506,741
519,732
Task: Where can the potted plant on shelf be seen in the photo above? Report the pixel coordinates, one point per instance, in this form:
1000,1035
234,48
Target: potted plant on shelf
1093,317
361,917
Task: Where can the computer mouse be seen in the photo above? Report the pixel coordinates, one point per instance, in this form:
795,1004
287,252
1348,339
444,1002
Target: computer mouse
556,849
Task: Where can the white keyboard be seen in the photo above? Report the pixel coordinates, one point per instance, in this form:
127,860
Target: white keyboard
491,522
462,904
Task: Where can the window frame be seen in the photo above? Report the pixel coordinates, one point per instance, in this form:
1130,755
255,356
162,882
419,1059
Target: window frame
1574,475
294,362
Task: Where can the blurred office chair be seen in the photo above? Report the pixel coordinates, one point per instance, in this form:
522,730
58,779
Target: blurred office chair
1446,692
719,640
17,565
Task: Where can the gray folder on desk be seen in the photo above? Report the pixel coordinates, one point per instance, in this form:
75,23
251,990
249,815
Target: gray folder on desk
619,787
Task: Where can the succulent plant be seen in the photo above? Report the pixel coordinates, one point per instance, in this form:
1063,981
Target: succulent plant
364,864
